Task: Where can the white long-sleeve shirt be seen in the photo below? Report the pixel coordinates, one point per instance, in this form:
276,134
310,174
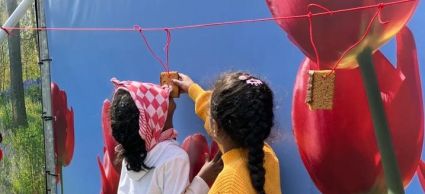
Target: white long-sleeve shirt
169,175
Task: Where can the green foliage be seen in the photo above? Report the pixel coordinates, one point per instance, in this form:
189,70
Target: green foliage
22,167
30,68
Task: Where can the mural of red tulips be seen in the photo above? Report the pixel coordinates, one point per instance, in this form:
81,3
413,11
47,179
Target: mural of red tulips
338,146
63,127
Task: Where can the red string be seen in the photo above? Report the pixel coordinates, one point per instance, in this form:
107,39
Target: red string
168,30
361,39
380,18
167,49
310,26
5,30
316,51
218,23
165,64
319,6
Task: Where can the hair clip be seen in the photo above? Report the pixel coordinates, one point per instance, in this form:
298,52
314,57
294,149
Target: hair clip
243,77
250,80
118,148
254,82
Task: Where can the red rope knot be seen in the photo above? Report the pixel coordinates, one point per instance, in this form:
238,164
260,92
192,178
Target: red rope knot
381,6
330,12
137,28
309,15
5,30
168,39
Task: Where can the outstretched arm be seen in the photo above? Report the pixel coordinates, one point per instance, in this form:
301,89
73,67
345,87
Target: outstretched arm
201,98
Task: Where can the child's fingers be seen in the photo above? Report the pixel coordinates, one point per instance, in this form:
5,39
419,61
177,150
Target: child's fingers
217,157
220,162
183,76
207,157
219,165
178,82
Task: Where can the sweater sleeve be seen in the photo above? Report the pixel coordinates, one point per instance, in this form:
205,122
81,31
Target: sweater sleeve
202,100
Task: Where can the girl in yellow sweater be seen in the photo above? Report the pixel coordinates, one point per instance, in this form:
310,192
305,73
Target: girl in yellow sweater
238,115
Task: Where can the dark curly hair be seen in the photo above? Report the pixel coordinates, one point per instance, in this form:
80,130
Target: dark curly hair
245,113
125,130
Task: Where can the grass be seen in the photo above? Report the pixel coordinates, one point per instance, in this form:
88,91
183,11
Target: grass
22,167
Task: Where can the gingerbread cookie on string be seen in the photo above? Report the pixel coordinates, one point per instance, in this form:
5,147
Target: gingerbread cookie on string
166,78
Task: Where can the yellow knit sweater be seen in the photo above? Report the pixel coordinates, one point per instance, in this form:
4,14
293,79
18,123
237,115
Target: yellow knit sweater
235,177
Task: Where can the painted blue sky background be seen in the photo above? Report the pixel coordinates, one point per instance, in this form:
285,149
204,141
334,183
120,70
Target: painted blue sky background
84,62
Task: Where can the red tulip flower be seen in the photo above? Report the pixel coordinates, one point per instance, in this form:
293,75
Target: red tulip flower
213,149
108,139
109,176
196,146
63,128
338,146
335,33
421,173
110,170
69,144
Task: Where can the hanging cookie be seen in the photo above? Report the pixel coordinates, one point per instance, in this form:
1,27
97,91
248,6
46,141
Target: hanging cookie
167,78
320,90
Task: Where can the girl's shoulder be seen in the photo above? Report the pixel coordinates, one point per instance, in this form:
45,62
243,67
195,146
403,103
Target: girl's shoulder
165,152
271,164
269,153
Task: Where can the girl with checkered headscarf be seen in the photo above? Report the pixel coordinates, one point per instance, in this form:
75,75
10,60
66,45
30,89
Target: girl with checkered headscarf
152,160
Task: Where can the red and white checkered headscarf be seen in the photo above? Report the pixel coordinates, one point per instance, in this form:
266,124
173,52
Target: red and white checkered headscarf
152,101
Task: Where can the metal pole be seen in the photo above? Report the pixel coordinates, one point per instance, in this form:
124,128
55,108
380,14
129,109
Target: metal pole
15,17
382,132
45,60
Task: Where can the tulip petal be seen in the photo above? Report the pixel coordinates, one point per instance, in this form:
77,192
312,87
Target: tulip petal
108,139
106,187
196,147
338,146
69,145
112,175
213,149
421,174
